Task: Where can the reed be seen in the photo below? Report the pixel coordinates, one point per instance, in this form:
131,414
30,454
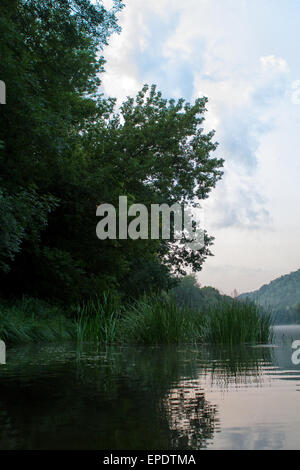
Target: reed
159,320
150,320
237,322
99,319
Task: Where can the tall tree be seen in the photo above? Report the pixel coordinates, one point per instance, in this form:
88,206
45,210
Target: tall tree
49,60
65,149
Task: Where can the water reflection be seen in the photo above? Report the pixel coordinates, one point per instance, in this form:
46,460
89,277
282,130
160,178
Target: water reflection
62,397
192,420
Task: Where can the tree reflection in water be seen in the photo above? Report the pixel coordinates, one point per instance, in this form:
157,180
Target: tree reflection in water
117,398
191,418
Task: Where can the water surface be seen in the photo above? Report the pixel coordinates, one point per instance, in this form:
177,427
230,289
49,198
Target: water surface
166,398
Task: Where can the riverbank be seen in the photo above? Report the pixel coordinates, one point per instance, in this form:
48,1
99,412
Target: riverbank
151,320
31,320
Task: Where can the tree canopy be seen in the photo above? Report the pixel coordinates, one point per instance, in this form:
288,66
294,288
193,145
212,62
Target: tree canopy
65,148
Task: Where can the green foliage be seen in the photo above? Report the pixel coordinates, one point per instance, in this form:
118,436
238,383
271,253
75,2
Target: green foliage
188,292
48,60
157,319
31,320
147,276
22,217
235,322
161,321
99,319
282,296
65,149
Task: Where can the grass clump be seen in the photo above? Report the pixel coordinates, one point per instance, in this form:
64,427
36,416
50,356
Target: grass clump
99,319
237,322
159,320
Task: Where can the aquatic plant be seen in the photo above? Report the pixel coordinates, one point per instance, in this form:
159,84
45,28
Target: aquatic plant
156,319
237,322
159,320
99,319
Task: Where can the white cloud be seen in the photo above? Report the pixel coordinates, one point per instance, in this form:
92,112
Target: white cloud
274,63
121,77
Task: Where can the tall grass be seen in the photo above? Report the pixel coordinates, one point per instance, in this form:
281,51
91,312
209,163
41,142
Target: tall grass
237,322
99,319
32,320
151,320
161,321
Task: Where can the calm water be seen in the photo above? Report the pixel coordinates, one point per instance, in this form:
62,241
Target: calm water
62,397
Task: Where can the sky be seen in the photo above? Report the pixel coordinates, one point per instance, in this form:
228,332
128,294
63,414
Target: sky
243,55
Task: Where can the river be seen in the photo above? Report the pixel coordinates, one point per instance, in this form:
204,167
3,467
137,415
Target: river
165,398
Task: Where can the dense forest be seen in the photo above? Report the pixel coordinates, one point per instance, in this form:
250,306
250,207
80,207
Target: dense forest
281,295
66,148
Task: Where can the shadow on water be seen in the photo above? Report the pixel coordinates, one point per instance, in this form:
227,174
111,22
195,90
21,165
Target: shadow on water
119,398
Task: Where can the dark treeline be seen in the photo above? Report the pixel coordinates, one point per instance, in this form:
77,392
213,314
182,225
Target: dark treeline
188,292
65,148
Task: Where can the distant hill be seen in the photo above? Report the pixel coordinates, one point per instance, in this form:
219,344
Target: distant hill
282,295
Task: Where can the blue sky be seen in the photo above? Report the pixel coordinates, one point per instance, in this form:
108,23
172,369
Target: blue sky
243,55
